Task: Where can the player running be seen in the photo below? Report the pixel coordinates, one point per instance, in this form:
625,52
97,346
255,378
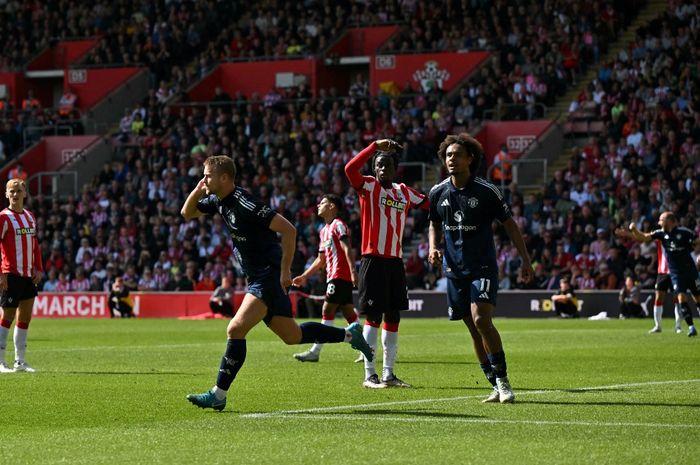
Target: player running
333,252
463,207
253,227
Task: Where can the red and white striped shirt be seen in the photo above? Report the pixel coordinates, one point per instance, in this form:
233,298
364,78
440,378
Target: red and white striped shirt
383,211
662,261
19,246
337,266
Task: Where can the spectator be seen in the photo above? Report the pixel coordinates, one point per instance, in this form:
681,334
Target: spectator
631,300
221,301
565,301
120,303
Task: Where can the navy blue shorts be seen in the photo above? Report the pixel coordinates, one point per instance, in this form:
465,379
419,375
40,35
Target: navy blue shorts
462,293
686,282
268,289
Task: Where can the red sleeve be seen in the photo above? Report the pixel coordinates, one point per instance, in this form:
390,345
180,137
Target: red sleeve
353,169
418,199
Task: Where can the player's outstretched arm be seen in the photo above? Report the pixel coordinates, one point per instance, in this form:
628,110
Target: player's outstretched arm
637,235
434,238
189,209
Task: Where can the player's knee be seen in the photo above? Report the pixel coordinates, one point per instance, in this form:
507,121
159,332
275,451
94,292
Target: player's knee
482,322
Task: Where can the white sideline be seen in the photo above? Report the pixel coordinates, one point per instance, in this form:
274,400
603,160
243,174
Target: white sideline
296,413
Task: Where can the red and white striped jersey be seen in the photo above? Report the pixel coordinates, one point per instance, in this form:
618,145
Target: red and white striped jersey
383,211
383,215
661,260
19,246
337,266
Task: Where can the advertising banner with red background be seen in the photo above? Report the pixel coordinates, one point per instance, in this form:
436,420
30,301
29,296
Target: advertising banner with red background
62,55
517,135
362,41
443,70
146,304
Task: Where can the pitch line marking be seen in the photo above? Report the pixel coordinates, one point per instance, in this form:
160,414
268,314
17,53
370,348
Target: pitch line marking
283,413
393,419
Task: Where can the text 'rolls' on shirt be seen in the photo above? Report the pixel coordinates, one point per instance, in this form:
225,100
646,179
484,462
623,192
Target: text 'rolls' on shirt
337,266
466,216
248,222
21,254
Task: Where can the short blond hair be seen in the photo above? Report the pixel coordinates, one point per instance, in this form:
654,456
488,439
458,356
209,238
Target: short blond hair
16,183
222,164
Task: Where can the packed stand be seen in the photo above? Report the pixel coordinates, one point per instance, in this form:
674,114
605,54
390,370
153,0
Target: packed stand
540,48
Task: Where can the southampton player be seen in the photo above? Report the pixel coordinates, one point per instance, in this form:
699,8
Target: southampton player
678,243
20,272
463,208
333,252
662,287
253,227
384,206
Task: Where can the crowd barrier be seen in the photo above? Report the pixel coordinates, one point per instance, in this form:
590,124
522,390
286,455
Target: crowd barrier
431,304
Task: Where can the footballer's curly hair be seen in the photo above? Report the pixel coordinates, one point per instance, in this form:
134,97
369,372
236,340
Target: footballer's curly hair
471,145
222,164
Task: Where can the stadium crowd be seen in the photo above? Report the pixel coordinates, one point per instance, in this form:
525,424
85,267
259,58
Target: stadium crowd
290,148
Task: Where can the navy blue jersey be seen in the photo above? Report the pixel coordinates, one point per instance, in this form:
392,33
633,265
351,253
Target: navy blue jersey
466,216
678,244
248,222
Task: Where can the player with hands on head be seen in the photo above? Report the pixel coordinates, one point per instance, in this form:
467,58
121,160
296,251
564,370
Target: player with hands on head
266,260
383,294
335,255
21,271
462,209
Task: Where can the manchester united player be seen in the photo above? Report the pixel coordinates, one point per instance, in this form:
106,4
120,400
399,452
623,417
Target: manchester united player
677,242
334,252
662,287
384,206
21,270
463,206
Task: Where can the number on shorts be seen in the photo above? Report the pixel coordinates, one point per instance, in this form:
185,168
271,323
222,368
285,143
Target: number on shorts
485,285
330,290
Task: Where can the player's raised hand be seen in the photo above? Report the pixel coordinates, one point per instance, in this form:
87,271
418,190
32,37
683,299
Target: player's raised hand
632,227
202,186
388,145
435,257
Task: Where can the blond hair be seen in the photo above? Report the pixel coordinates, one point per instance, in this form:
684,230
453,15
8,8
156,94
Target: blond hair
222,164
16,183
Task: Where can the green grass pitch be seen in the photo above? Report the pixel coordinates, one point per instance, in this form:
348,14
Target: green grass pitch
588,392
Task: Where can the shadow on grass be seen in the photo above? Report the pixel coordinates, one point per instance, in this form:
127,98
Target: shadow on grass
407,413
434,362
122,373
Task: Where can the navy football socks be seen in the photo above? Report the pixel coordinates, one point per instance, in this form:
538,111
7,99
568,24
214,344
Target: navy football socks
488,372
231,362
315,332
498,361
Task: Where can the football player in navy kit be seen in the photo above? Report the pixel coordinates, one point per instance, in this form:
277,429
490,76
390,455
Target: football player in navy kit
462,208
253,227
678,243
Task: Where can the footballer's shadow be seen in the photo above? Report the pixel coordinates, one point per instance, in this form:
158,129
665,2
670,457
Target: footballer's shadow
435,362
407,413
122,373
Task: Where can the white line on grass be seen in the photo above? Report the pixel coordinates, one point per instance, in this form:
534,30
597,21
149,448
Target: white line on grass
285,413
394,419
